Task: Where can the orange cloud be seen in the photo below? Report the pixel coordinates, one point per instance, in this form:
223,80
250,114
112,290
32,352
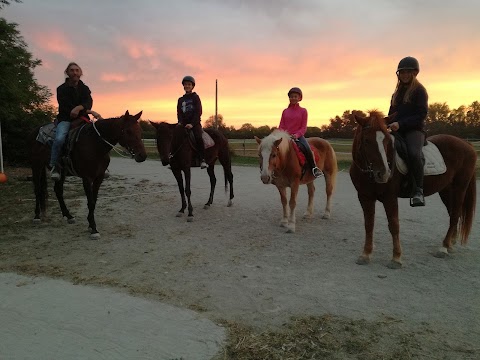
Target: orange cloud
112,77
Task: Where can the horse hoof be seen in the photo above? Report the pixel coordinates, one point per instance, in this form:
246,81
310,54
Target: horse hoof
394,265
206,207
362,260
284,224
230,203
290,230
442,253
70,221
179,214
37,221
326,216
189,218
95,236
307,216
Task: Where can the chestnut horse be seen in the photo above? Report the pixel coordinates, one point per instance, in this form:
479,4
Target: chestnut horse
280,166
175,148
375,176
90,158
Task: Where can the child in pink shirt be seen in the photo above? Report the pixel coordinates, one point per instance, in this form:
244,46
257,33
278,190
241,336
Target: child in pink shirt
294,121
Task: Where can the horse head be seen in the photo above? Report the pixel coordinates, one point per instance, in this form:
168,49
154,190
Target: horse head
271,154
164,136
131,136
373,147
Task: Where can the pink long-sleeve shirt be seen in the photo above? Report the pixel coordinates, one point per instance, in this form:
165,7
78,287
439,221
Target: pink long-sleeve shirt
294,120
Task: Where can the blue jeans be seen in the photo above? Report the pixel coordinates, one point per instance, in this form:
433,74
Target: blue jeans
60,135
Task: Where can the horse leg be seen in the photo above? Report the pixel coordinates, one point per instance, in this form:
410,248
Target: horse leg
311,193
453,202
293,203
368,206
58,187
329,187
181,189
89,192
40,188
188,193
224,158
283,199
391,209
213,182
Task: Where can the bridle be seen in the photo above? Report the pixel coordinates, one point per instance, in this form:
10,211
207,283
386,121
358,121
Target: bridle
185,138
368,169
123,153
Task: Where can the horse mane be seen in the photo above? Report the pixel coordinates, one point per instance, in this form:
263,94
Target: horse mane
377,120
276,134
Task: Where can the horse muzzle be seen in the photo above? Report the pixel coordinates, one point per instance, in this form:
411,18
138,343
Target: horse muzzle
140,157
266,179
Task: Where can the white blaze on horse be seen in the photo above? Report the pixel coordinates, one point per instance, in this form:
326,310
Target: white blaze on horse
281,165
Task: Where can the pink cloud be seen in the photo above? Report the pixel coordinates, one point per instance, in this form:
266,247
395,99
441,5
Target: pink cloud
112,77
137,49
54,42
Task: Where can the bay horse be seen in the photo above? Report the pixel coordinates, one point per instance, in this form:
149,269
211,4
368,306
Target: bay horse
279,165
375,176
176,148
90,158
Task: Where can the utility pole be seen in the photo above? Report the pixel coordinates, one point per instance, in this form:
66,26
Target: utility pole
216,104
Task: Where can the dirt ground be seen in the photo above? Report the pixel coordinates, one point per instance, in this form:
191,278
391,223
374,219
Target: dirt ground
237,264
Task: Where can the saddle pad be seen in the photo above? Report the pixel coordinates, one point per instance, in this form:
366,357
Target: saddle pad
46,134
434,163
207,140
301,155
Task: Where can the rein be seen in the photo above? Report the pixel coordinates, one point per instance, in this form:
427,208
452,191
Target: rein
170,156
122,154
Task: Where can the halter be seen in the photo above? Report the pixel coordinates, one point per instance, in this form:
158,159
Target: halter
363,153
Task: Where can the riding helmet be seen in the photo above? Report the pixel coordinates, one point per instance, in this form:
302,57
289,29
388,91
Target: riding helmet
408,63
296,90
189,78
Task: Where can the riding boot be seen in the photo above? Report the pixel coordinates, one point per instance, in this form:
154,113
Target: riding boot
315,170
418,199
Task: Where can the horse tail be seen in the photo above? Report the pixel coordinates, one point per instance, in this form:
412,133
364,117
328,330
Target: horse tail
468,210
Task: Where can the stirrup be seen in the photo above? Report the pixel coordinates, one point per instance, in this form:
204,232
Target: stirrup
317,172
54,174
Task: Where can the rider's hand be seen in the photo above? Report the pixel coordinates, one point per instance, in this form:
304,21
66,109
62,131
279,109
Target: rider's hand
394,126
75,111
188,126
96,115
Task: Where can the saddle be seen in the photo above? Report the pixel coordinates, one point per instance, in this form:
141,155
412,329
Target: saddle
208,142
46,136
300,150
434,163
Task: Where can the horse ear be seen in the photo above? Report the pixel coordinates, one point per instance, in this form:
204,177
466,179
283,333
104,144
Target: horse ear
127,113
359,119
138,115
258,140
277,142
154,124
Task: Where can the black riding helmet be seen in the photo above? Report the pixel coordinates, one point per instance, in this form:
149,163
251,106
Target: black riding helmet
408,63
189,78
296,90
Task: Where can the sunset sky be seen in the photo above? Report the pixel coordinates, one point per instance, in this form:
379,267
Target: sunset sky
343,54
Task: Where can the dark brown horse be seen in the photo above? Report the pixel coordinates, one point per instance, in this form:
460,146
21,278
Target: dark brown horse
375,176
279,165
90,158
175,147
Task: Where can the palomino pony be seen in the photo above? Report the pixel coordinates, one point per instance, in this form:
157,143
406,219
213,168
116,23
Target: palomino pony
175,147
90,158
375,176
279,165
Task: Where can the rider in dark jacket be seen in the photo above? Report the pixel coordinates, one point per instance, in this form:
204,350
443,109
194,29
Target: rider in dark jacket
189,111
407,114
